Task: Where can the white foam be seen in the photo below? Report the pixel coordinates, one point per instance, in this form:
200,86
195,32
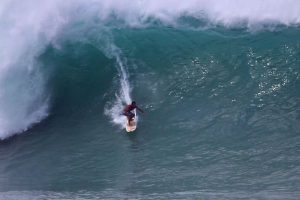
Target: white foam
226,12
26,28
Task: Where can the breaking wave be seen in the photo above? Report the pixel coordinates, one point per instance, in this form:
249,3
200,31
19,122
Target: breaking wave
27,31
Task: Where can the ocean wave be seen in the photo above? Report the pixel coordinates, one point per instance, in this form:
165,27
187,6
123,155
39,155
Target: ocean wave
27,31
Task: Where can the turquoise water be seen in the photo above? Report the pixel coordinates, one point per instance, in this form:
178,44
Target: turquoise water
221,101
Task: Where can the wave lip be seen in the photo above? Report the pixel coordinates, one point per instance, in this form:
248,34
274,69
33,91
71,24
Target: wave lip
227,13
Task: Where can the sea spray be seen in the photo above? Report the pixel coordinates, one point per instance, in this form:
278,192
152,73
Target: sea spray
25,33
255,14
123,96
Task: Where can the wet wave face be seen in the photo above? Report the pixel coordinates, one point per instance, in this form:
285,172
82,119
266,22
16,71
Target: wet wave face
218,80
27,32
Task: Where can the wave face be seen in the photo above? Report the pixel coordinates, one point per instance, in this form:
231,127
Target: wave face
27,31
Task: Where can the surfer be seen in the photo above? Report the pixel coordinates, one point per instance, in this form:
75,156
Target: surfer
127,111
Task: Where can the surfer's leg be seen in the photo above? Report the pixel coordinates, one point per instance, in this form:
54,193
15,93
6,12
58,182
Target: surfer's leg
130,117
128,121
127,114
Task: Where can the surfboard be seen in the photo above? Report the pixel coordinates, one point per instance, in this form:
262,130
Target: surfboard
133,124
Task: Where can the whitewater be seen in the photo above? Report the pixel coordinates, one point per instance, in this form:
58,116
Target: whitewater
218,81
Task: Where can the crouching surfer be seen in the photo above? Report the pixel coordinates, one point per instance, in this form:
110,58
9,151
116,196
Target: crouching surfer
127,111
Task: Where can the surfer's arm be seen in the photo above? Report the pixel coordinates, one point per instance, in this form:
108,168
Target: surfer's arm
139,109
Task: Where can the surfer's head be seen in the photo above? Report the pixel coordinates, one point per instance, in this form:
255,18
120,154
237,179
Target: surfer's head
133,103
